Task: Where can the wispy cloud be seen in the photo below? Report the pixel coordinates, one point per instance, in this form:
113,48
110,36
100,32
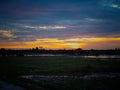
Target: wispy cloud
7,34
112,4
50,40
115,6
93,20
46,27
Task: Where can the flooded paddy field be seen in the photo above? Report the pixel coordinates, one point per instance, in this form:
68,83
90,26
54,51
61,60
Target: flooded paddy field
61,72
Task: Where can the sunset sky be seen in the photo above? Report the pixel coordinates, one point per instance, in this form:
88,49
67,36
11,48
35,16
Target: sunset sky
60,24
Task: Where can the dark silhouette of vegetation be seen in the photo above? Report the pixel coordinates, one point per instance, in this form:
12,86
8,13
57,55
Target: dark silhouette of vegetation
39,51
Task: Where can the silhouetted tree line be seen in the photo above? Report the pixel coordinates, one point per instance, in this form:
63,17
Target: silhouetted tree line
40,51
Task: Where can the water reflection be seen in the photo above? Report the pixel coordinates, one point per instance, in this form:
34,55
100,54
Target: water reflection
100,56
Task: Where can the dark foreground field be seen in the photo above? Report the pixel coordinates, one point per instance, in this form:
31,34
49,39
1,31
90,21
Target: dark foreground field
61,73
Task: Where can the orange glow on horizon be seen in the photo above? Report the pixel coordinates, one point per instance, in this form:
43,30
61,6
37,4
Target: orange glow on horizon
72,43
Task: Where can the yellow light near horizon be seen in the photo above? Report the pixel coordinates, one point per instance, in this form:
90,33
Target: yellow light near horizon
71,43
75,45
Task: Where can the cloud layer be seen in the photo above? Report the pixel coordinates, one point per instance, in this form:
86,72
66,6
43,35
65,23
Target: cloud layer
71,23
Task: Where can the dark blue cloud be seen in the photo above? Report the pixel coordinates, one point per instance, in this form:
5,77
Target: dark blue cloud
98,18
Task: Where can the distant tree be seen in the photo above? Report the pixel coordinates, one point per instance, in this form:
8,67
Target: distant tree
2,49
36,48
79,49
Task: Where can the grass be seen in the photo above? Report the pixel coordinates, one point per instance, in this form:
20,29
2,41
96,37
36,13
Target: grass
12,67
55,65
